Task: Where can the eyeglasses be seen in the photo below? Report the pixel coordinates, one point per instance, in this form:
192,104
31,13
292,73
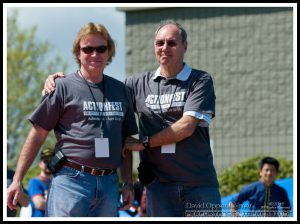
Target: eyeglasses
170,43
89,49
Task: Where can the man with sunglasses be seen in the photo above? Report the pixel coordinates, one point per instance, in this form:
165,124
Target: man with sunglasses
38,187
92,115
175,105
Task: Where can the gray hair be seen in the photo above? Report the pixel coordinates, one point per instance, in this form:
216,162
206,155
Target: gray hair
182,31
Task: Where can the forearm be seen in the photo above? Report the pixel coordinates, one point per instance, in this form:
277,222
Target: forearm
39,202
127,188
178,131
33,142
126,168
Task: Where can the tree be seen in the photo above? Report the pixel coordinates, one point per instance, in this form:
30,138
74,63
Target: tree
27,67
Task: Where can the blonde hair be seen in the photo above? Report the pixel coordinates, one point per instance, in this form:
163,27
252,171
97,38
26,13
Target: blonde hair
92,28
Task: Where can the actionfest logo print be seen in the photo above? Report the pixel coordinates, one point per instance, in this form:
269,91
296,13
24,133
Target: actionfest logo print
103,110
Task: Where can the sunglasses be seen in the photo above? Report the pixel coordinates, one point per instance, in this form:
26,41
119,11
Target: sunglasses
89,49
170,43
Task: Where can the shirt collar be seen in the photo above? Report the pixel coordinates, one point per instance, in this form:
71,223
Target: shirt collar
183,75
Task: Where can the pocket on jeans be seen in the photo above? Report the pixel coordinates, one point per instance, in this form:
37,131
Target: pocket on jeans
152,182
68,171
114,178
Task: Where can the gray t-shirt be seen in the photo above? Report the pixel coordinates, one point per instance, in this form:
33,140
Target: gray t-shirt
75,110
192,162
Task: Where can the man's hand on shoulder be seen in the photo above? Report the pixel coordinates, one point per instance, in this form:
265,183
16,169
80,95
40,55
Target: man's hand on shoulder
49,85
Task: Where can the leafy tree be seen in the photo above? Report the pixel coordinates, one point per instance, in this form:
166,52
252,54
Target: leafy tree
28,65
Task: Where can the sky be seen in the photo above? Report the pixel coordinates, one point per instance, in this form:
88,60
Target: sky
59,26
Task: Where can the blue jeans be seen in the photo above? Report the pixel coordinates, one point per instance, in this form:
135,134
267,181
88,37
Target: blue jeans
79,194
176,200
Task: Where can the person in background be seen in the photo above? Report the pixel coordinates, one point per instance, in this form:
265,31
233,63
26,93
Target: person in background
142,208
264,196
92,115
138,191
133,211
38,187
175,105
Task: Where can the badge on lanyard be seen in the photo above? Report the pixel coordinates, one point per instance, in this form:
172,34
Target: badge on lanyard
101,145
170,148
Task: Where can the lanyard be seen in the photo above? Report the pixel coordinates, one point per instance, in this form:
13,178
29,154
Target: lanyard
164,115
97,107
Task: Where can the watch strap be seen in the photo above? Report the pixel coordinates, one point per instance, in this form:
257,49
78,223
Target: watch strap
146,141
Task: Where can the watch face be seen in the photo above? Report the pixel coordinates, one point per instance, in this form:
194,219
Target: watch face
145,139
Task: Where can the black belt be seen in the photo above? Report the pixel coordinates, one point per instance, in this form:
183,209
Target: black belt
93,171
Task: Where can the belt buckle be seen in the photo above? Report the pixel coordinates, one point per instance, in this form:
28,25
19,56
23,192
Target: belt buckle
111,171
96,172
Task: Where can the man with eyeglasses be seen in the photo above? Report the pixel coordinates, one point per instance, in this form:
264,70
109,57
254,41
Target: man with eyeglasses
92,115
175,105
38,187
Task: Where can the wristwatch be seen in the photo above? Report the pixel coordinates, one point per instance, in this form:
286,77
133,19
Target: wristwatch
130,185
146,141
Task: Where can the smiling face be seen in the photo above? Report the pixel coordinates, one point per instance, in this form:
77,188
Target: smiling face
93,62
268,173
169,48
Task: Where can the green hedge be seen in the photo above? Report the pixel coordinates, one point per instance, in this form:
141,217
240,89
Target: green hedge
234,178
